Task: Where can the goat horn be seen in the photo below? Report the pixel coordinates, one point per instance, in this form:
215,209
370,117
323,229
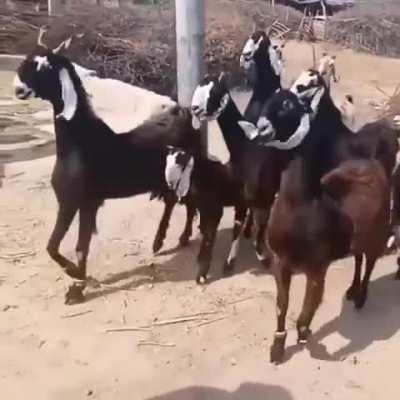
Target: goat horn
65,44
42,31
314,56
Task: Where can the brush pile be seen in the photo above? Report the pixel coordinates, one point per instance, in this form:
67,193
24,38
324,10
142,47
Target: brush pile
376,34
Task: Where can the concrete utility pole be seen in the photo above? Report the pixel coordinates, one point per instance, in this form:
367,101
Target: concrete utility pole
56,7
190,35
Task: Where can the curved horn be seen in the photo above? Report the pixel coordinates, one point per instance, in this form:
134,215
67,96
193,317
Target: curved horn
42,31
65,44
314,56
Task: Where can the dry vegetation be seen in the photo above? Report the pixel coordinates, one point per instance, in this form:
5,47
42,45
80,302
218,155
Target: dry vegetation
137,44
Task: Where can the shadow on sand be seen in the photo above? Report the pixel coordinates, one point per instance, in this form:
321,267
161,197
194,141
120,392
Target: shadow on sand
247,391
182,266
378,321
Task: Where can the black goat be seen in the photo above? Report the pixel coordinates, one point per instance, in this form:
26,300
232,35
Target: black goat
309,226
215,187
261,61
92,162
258,169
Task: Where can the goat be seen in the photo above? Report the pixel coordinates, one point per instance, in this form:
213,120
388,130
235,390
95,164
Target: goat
93,163
363,191
327,69
257,169
308,229
262,63
215,187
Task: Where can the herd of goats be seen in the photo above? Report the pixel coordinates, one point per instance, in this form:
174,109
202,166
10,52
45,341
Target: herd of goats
301,179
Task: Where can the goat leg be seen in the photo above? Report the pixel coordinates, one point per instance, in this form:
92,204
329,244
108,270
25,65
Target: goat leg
312,300
240,216
87,226
283,279
263,253
65,216
188,230
164,223
353,290
361,298
209,225
248,225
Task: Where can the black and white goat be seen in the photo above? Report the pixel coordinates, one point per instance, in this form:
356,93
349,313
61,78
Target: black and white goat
333,198
262,62
93,163
258,169
215,188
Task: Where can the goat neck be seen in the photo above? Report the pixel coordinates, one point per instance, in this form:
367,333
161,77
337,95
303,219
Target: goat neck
266,83
233,134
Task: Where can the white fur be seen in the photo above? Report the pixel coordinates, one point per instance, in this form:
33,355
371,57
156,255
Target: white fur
69,96
249,129
42,62
84,72
199,101
176,178
234,250
18,84
265,127
276,62
199,105
246,59
296,139
305,79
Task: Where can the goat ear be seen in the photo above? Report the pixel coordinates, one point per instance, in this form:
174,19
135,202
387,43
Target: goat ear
249,129
68,94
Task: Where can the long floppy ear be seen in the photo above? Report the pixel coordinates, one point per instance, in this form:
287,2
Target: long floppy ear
249,129
68,94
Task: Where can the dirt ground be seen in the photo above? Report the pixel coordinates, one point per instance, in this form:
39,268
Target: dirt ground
221,351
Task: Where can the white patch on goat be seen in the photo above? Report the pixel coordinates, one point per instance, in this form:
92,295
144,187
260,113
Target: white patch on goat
234,250
306,79
296,139
24,91
84,72
275,60
265,127
248,51
249,129
69,96
176,178
42,62
199,103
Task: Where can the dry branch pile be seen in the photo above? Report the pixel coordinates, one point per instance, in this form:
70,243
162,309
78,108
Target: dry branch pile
376,34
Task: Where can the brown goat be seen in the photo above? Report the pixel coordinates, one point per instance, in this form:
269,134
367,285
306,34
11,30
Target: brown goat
363,193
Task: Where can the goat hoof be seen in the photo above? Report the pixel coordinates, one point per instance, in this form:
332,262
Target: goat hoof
351,293
201,279
158,243
228,267
74,295
303,334
359,302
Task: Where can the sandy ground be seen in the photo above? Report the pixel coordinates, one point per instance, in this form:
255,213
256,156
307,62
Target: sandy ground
221,351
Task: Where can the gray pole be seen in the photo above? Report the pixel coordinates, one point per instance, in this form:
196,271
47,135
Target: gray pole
56,7
190,34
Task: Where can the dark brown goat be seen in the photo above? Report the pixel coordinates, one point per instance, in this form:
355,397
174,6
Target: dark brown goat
308,229
362,190
93,163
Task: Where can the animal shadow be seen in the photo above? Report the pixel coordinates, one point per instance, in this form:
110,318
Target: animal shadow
377,321
247,391
178,265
